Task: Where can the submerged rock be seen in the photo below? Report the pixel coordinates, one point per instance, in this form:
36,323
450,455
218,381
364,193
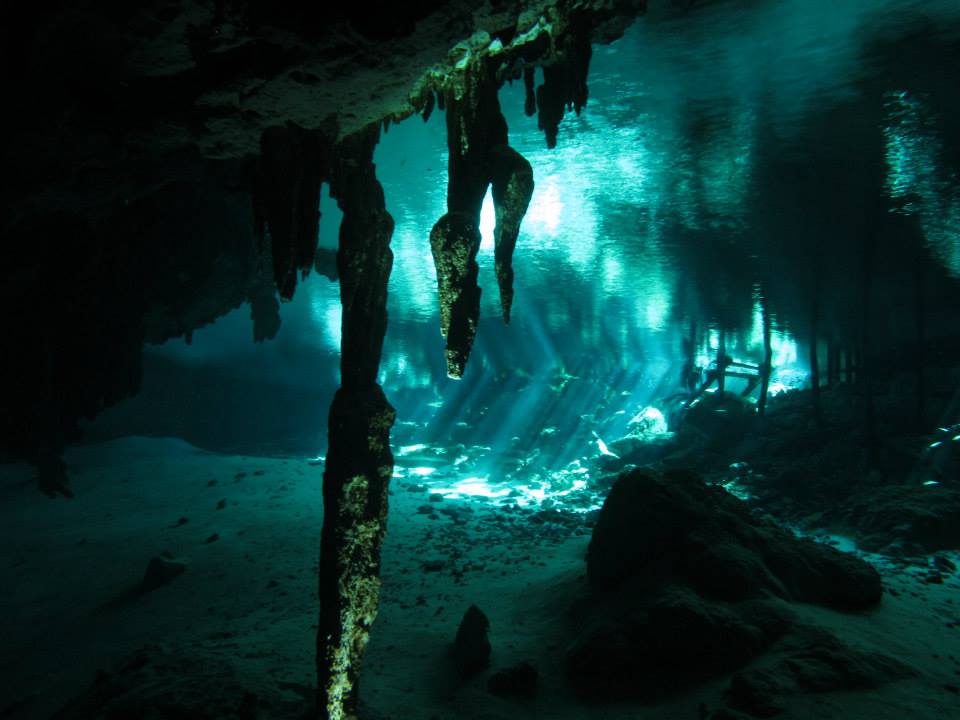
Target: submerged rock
471,648
646,646
816,662
518,681
161,570
686,584
676,528
907,518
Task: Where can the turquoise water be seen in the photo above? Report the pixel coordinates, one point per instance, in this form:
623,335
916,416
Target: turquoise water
734,160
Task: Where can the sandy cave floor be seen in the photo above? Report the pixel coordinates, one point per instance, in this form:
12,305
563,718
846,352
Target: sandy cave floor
248,528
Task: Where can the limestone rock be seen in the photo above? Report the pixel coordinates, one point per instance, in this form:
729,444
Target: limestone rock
519,681
647,646
161,570
676,527
687,584
471,648
817,662
908,518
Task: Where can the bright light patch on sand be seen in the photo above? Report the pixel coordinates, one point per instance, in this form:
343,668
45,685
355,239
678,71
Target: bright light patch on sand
423,471
471,487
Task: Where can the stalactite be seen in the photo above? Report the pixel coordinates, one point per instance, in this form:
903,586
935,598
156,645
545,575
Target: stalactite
455,241
530,96
565,81
479,157
264,312
359,462
512,189
428,106
293,164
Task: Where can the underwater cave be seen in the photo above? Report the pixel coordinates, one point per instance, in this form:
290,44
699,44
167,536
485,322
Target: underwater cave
486,360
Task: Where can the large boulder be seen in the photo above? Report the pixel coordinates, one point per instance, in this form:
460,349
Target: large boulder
686,584
648,646
674,528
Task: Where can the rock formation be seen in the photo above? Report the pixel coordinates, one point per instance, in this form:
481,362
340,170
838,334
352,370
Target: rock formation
359,461
479,157
687,585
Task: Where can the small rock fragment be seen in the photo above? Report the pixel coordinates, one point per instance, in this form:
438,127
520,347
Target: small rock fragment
160,571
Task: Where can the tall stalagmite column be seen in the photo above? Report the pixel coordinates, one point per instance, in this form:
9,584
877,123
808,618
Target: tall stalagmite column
359,462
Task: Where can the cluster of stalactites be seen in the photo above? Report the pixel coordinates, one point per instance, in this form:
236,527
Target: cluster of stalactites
564,84
479,158
293,164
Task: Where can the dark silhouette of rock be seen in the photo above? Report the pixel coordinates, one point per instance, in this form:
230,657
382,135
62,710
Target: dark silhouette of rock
359,462
906,518
645,646
519,681
815,662
686,584
161,570
675,527
471,648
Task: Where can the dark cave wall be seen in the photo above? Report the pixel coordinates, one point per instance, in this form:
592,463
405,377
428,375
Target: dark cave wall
161,166
83,291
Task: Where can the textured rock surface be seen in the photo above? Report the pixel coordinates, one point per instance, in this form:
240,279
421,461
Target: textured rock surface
812,662
686,584
479,157
675,527
455,242
912,519
359,461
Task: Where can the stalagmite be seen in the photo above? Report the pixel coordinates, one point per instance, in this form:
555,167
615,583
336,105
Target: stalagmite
359,462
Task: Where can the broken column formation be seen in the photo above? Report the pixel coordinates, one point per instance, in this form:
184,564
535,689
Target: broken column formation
359,461
479,156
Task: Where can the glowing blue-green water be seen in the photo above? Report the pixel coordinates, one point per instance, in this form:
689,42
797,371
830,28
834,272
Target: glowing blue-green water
735,159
